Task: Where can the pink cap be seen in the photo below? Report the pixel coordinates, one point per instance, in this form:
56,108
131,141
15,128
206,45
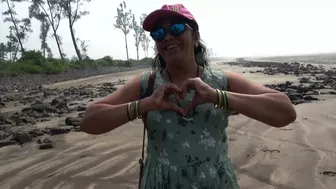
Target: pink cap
166,11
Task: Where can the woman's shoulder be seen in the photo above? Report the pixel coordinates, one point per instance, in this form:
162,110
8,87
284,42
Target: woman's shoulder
215,71
146,76
216,75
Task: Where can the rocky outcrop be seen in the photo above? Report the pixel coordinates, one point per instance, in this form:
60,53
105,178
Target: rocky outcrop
313,80
42,105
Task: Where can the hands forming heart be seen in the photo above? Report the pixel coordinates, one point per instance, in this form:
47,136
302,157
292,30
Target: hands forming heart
203,94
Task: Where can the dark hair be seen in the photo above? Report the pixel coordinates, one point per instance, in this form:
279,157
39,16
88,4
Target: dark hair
200,51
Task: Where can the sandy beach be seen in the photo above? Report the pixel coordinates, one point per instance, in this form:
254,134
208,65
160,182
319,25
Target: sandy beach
299,156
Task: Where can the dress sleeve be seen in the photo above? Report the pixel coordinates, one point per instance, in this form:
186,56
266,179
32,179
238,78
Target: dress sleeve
144,84
224,83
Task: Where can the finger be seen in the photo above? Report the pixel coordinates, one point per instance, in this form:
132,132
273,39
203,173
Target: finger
175,108
173,89
186,85
178,96
195,102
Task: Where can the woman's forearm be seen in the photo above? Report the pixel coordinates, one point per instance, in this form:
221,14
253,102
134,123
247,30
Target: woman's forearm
274,109
102,118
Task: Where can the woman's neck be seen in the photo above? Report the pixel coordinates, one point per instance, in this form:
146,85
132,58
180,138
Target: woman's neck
181,72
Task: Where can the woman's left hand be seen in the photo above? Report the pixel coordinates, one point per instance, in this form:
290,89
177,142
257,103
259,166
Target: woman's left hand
203,93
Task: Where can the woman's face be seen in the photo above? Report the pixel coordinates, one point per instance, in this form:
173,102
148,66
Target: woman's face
172,48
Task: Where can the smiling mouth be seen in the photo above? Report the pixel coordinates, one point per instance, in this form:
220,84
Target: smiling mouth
170,47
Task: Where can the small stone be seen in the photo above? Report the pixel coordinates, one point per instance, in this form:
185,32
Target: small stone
46,146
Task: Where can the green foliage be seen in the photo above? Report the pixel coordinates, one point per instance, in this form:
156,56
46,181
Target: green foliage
138,32
33,62
144,39
72,12
19,29
123,18
123,22
15,58
48,12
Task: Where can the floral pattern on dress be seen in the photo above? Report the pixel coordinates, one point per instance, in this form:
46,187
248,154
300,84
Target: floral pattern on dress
188,153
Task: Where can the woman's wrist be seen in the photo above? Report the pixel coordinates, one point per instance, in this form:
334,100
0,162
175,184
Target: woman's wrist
213,96
138,108
219,98
146,105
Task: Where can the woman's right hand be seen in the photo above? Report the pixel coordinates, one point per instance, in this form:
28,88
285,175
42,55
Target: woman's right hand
160,101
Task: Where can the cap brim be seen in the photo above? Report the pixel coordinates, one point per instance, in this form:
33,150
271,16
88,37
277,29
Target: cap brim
158,14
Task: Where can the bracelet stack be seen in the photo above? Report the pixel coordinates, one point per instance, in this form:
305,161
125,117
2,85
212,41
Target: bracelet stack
133,110
222,101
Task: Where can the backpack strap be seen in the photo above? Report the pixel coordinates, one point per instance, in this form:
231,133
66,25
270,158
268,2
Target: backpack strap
149,92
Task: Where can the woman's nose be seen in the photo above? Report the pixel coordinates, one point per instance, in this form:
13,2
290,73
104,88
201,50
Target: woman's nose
168,37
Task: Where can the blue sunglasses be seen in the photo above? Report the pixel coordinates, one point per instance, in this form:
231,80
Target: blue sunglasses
175,30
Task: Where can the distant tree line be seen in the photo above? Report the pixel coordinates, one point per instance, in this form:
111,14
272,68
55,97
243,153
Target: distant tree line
50,13
14,57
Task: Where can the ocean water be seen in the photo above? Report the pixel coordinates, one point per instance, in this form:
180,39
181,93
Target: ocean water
312,59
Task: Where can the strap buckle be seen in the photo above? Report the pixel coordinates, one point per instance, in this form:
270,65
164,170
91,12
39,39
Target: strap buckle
141,161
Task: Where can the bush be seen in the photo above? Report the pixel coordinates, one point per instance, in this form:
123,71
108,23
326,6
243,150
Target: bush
26,67
34,62
55,67
35,56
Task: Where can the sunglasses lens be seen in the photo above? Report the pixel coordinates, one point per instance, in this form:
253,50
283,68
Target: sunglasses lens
177,29
158,34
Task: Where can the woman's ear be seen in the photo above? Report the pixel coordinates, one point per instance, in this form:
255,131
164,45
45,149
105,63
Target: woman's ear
196,38
196,43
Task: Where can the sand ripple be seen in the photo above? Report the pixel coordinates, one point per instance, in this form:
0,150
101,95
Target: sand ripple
265,158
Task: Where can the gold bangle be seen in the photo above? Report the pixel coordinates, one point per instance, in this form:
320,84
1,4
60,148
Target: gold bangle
138,109
216,104
220,104
128,111
135,110
224,107
220,101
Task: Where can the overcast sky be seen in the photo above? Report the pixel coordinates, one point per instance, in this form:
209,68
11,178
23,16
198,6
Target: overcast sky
233,28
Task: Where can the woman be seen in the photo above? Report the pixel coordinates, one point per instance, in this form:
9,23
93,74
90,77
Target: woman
188,109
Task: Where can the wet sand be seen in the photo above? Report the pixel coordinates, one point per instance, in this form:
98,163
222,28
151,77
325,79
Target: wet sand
301,155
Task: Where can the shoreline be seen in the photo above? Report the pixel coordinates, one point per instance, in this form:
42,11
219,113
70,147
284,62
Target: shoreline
26,82
41,144
62,104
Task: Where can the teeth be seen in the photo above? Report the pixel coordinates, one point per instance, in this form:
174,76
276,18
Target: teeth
171,47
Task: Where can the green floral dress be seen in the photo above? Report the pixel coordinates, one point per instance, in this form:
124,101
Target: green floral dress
188,153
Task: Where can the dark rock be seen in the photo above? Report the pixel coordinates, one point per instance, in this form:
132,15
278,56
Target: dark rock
5,120
44,140
304,80
7,142
81,108
46,146
295,96
23,137
296,102
3,134
37,132
72,121
60,130
332,92
308,97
